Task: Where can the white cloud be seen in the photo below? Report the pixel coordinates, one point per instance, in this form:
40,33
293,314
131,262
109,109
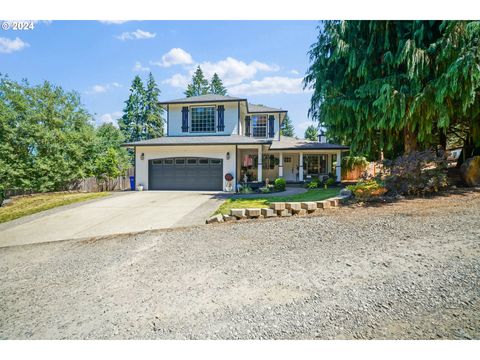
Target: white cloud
294,72
138,67
101,88
233,71
177,80
175,56
109,118
269,85
114,22
8,46
136,35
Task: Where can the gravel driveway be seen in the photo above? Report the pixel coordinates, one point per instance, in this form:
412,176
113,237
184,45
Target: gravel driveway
409,270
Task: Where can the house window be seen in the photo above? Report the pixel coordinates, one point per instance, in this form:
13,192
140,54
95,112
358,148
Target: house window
333,170
203,119
179,161
315,164
259,126
269,162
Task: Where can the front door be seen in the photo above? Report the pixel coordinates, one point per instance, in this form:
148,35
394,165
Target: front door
289,168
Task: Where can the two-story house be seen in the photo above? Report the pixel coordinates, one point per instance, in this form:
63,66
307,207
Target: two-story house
210,136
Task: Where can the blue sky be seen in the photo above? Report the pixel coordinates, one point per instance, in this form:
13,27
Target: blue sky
261,60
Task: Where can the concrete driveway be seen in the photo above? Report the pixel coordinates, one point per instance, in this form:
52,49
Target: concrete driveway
119,213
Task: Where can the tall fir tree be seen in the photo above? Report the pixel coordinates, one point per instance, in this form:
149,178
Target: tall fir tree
395,86
133,120
287,128
199,85
311,133
142,116
216,86
154,117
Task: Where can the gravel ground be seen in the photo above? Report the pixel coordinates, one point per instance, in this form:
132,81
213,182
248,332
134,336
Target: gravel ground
408,270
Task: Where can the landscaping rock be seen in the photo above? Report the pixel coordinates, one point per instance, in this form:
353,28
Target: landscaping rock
345,193
309,206
238,213
301,212
323,204
334,202
215,219
294,206
284,213
268,213
253,213
470,171
227,218
277,206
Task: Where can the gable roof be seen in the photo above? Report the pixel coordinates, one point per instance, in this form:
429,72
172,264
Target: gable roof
209,98
203,99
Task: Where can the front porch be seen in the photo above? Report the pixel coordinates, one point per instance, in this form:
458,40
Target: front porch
256,163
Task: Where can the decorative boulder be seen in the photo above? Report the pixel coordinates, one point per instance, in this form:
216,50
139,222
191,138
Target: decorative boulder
345,193
325,204
470,171
215,219
293,206
284,213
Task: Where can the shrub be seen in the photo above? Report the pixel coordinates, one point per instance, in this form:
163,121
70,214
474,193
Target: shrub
245,190
330,181
367,190
265,190
417,173
280,184
313,184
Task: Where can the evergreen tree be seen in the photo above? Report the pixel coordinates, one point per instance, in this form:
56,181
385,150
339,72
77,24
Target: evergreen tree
395,86
132,123
287,127
199,85
311,133
216,86
154,119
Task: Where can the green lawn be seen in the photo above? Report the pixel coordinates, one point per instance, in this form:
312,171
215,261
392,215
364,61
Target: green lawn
32,204
310,195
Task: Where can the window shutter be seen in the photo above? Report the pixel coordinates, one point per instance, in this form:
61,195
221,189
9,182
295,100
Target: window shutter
221,117
247,125
271,126
185,119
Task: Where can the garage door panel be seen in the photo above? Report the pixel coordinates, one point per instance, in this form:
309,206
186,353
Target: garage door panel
188,174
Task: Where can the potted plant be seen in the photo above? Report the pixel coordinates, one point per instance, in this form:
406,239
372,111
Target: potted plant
140,187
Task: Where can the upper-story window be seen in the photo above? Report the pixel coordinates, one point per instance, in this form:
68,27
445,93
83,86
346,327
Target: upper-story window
259,126
203,119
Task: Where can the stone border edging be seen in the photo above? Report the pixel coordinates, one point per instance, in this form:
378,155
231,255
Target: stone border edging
278,209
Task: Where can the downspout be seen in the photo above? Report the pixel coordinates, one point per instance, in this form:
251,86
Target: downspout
236,163
135,166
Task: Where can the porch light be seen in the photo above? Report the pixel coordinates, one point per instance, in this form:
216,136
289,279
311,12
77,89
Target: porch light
228,156
142,156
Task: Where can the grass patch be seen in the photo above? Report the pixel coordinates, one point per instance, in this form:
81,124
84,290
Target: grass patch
264,202
31,204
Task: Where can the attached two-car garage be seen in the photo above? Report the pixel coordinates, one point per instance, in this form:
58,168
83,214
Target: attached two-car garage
185,173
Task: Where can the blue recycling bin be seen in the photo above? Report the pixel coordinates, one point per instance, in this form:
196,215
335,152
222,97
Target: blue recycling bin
132,183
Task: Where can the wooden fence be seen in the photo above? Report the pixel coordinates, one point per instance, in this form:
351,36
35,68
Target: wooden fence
357,172
88,185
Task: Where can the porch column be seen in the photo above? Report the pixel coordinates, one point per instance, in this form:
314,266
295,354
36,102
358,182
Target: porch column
280,165
339,166
300,167
259,168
